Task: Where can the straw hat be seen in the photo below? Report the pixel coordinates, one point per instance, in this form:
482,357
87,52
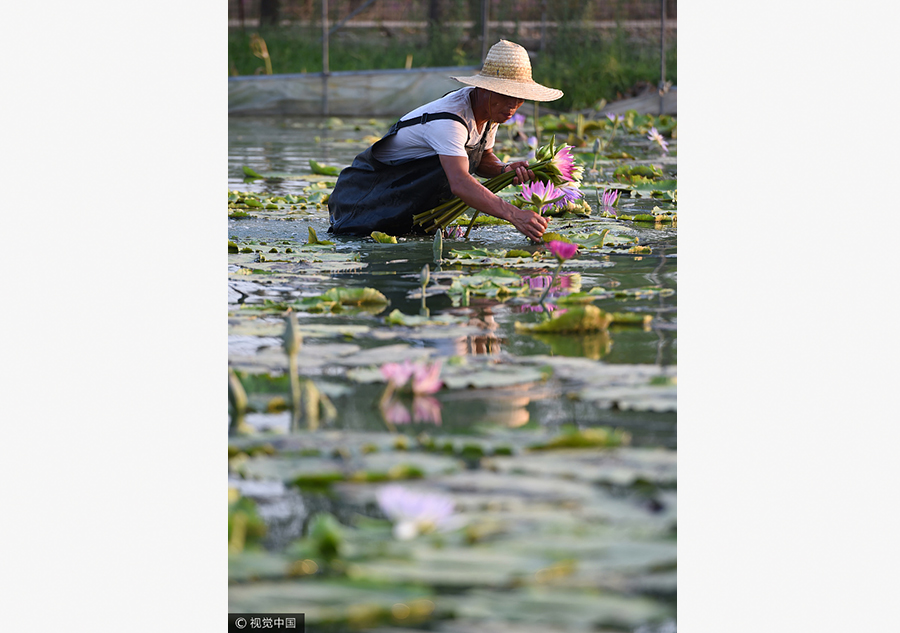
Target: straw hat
507,70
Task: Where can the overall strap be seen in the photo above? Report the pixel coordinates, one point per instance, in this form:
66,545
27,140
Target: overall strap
425,118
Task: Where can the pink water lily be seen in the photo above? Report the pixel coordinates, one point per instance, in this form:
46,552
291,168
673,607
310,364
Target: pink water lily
398,373
564,162
562,250
541,194
656,137
420,378
426,378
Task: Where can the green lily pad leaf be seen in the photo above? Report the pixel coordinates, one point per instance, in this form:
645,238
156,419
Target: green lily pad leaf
490,377
250,173
383,238
345,603
548,607
324,170
414,320
256,565
550,237
597,437
657,186
314,239
576,298
587,318
631,318
477,253
355,296
590,241
518,253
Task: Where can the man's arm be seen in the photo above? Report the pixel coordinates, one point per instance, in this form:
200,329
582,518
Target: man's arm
491,166
474,194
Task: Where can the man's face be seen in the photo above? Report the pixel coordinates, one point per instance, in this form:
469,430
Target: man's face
502,107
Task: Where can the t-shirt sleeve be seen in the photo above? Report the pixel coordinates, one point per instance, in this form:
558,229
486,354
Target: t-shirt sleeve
446,137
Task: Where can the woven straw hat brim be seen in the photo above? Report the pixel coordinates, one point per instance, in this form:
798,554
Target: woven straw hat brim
530,91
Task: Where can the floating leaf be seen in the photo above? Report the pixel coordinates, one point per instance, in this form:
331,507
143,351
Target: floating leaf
557,237
354,296
383,238
314,239
586,318
249,172
324,170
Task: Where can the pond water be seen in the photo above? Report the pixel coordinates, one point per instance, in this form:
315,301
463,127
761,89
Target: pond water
504,388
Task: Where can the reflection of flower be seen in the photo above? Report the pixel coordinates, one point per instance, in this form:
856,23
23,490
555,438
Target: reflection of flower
395,412
424,409
568,281
415,513
453,232
656,137
608,201
562,250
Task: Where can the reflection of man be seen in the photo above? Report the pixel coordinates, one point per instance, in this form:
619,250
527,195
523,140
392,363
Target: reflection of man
429,155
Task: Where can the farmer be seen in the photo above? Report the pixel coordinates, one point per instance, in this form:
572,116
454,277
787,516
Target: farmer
429,155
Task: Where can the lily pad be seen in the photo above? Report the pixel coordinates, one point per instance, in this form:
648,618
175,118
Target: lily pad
324,170
355,296
585,318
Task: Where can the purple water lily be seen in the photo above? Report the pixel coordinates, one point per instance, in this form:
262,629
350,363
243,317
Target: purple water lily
608,201
415,513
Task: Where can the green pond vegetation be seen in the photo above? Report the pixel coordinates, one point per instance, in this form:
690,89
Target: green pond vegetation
484,384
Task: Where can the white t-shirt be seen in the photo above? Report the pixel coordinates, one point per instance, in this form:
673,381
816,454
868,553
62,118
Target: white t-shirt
444,137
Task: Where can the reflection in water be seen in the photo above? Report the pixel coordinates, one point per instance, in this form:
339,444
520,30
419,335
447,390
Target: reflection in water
398,410
593,345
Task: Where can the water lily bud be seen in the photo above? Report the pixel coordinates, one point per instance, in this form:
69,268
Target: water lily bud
438,246
424,276
292,338
236,394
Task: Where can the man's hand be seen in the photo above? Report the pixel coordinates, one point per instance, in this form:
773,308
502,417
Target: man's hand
474,194
523,174
529,223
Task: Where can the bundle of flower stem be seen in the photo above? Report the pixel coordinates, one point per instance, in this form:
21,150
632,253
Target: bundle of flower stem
555,165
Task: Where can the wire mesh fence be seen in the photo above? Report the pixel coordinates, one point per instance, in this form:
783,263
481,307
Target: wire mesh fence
466,13
591,49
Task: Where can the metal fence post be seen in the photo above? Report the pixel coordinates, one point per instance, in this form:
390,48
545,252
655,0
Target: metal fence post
324,57
662,55
484,30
